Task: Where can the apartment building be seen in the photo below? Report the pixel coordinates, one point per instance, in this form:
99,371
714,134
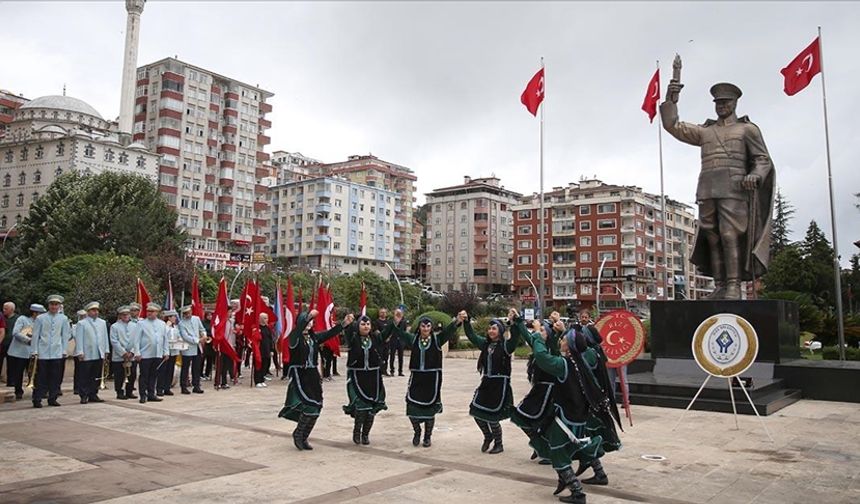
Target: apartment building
592,224
334,224
210,131
470,236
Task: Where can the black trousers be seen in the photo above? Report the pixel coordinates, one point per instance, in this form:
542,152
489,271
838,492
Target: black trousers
165,375
329,361
395,349
226,368
49,377
266,358
76,375
190,362
119,377
4,358
15,368
383,354
148,377
90,372
209,356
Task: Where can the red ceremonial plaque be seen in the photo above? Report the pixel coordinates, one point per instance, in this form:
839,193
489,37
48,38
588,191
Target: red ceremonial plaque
623,337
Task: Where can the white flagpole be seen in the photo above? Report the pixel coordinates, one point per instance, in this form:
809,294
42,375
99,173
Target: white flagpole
663,205
836,268
541,249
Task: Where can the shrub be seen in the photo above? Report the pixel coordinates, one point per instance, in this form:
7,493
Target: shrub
832,353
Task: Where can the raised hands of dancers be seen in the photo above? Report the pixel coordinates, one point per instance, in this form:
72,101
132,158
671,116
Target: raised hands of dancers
513,314
312,314
348,319
462,316
398,316
558,326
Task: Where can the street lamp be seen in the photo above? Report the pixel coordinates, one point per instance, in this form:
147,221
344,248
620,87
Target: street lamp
7,234
599,275
397,279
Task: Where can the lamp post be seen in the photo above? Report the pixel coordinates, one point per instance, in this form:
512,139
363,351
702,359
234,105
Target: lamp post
7,234
397,279
599,275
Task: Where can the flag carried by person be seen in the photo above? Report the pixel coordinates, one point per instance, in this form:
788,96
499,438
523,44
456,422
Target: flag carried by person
289,314
652,96
323,321
220,318
168,299
250,307
362,302
533,95
142,296
806,65
196,302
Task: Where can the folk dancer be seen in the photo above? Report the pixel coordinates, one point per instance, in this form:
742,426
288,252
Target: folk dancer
51,335
364,387
493,399
167,370
122,359
424,392
19,349
150,348
193,333
304,392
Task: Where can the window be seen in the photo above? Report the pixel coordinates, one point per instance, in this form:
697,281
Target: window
61,149
37,177
4,202
524,244
22,178
585,289
89,151
584,209
608,255
524,230
40,152
606,224
19,201
25,153
141,161
58,172
585,225
109,155
585,257
463,205
607,240
606,208
584,241
524,259
585,272
3,222
9,156
7,180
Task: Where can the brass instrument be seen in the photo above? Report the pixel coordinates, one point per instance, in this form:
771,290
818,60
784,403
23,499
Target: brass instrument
126,368
31,379
105,371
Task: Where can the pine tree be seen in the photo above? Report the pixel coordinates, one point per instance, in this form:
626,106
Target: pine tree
818,257
780,231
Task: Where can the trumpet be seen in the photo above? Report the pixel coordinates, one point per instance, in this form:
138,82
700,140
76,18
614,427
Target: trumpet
31,379
126,368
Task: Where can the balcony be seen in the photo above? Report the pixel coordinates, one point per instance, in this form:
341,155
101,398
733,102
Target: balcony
323,207
564,280
261,172
480,224
225,199
564,246
324,193
223,235
263,140
207,214
480,238
260,206
265,108
264,123
230,129
628,245
628,260
225,217
260,222
320,221
225,182
564,231
210,179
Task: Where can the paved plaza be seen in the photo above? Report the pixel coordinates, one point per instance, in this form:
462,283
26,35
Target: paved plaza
230,447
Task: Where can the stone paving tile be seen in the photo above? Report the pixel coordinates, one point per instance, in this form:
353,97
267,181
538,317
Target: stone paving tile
707,460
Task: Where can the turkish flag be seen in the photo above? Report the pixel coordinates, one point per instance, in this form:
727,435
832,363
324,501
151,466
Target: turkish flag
323,321
534,93
196,303
250,306
652,96
142,297
362,302
799,73
219,324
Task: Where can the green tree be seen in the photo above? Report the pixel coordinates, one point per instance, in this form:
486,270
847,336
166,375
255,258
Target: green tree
818,257
779,238
82,214
787,272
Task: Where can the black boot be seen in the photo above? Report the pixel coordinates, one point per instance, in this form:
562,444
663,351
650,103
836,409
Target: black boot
309,426
600,477
297,433
496,429
365,430
577,496
583,466
488,435
356,430
416,426
428,431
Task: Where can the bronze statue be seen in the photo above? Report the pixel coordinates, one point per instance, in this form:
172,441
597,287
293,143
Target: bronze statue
735,191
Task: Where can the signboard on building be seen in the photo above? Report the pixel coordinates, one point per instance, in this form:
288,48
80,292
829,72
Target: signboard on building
208,255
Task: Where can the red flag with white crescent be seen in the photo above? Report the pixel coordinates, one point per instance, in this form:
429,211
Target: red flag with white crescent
799,73
196,302
652,96
362,303
219,323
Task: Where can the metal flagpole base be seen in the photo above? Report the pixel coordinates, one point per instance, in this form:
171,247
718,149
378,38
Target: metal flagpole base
691,402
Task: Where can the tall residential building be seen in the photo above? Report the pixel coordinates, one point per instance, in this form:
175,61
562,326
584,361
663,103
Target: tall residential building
292,166
374,172
54,134
470,236
590,221
331,223
8,104
210,131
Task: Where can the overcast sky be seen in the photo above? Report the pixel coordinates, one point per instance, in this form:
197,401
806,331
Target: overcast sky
436,86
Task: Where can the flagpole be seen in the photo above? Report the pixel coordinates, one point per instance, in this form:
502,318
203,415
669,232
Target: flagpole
540,296
836,268
663,205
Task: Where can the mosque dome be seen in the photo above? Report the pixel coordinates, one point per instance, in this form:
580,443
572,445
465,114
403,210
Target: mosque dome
63,103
